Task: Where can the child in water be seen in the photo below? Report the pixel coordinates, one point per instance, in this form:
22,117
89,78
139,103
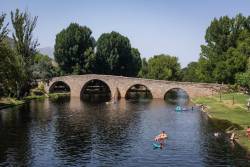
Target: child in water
161,137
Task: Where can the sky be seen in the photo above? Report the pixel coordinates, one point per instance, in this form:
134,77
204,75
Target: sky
174,27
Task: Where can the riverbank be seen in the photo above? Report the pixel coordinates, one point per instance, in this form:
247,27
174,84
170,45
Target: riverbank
231,109
6,102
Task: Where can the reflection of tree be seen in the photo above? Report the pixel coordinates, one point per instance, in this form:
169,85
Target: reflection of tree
14,136
176,96
101,129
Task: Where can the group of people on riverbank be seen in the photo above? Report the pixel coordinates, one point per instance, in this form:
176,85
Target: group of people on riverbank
231,132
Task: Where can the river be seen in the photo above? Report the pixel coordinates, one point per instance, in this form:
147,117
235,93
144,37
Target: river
70,132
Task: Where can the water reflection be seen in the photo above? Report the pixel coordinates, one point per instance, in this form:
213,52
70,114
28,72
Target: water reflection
70,132
96,91
176,96
138,92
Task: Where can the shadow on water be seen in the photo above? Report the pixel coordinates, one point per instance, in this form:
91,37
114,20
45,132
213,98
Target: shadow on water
138,93
59,87
96,91
177,96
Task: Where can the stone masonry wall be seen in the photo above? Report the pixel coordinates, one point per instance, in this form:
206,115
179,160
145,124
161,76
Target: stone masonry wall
158,88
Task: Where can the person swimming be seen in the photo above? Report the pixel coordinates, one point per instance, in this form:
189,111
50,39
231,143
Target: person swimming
162,136
178,108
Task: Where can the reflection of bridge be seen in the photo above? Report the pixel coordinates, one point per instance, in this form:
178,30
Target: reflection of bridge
158,88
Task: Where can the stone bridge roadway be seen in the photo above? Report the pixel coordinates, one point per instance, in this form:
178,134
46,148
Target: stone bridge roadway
158,88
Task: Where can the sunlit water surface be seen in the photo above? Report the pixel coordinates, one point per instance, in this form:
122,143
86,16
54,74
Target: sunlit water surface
74,133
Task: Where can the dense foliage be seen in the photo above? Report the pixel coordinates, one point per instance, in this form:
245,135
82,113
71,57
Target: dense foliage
144,69
43,68
243,79
115,56
72,46
20,63
189,73
226,51
12,72
163,67
3,28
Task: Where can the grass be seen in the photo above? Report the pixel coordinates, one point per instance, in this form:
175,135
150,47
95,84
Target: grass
231,107
10,102
57,95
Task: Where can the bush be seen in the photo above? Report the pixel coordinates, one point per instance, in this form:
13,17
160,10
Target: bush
243,79
41,87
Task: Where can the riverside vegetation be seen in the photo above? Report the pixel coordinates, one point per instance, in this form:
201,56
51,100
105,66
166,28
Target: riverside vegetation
229,111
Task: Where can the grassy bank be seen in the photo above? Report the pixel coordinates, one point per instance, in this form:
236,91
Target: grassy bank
230,107
9,102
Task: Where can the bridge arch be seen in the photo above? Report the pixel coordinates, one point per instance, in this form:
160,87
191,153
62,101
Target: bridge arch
96,90
177,95
137,91
59,87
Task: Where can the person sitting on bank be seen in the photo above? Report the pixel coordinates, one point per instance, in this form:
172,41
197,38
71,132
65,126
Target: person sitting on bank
233,136
248,105
216,134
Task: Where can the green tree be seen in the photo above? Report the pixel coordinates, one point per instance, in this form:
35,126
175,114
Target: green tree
90,61
25,46
24,25
43,67
3,34
144,69
12,71
163,67
190,72
3,28
115,56
224,56
70,47
136,63
243,79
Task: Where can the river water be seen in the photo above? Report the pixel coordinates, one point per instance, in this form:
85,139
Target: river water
69,132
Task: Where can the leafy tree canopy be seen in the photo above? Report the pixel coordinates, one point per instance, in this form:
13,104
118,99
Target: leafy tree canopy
3,28
71,46
43,67
115,56
12,72
190,72
226,51
163,67
25,47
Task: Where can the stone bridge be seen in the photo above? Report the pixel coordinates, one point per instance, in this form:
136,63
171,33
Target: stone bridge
158,88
